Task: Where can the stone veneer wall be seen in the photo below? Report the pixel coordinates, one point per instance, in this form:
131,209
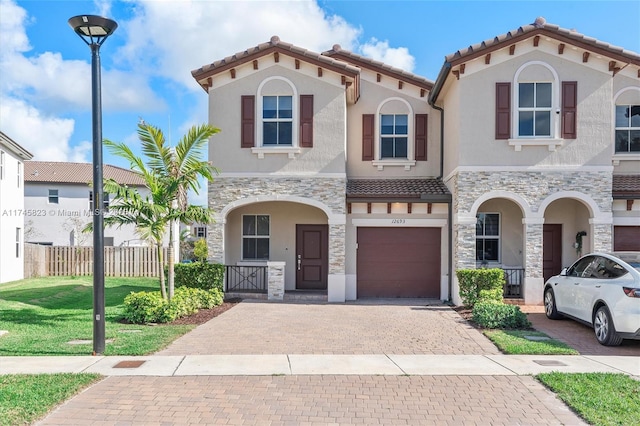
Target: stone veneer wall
534,187
329,191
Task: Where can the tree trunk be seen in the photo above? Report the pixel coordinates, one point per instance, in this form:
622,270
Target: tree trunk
171,261
163,290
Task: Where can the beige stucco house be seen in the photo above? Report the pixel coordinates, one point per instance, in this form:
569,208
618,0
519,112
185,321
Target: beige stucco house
363,180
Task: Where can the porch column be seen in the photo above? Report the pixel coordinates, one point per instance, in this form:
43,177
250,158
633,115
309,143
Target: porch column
336,285
215,240
464,246
601,230
533,273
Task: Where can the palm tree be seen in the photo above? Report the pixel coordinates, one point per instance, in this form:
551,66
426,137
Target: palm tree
168,173
180,169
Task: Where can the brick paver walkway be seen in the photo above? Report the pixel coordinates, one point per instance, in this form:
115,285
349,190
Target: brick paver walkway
577,335
316,400
392,327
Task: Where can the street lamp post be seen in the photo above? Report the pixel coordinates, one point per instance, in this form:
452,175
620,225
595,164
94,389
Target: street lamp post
94,30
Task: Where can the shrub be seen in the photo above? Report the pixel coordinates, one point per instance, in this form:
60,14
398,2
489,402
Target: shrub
200,250
205,276
146,307
480,284
499,315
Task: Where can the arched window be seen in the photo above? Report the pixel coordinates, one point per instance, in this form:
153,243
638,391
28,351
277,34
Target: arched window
277,104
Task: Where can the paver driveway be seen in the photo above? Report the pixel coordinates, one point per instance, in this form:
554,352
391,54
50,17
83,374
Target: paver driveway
416,326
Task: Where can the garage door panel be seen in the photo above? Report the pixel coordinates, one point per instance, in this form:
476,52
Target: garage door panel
398,262
626,238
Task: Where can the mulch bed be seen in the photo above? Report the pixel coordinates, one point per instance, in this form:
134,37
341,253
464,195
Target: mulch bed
204,315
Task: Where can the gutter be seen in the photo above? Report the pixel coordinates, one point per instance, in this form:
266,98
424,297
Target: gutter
433,96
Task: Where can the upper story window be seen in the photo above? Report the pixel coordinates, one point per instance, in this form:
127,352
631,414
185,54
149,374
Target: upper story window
18,242
1,165
105,201
277,120
488,237
394,131
394,136
53,196
255,237
534,109
627,128
19,174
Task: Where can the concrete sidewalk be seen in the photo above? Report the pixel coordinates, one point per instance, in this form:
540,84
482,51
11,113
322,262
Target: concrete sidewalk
303,364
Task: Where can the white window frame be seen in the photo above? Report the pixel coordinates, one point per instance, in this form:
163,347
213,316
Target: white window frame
555,139
200,231
624,93
408,162
18,243
19,174
290,150
50,196
1,165
105,201
268,237
628,128
491,237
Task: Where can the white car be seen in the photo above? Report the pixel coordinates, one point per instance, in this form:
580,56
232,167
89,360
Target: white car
601,290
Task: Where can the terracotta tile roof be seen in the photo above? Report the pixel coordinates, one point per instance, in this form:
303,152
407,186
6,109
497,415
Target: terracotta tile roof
364,62
626,186
63,172
387,190
273,45
540,25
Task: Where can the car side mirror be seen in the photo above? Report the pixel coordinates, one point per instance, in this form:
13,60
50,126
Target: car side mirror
564,272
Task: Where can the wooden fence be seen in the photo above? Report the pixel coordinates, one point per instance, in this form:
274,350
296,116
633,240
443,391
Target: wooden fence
35,264
78,261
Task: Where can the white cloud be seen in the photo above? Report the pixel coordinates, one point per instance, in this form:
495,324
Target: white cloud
174,38
46,137
12,31
398,57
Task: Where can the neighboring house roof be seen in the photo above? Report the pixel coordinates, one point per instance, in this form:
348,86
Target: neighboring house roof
391,190
538,27
12,145
275,45
363,62
63,172
626,186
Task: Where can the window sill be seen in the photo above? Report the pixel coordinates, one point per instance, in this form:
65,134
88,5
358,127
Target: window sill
290,151
381,164
549,143
617,158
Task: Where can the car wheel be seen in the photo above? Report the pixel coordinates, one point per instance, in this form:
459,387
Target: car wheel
550,305
604,328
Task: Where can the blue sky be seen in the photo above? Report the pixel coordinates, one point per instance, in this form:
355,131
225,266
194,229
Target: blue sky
45,97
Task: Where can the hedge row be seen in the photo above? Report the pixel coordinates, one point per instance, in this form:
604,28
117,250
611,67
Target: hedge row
478,285
149,306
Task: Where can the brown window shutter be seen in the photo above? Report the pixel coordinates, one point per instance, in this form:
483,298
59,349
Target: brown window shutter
503,110
247,132
306,121
367,136
569,109
421,137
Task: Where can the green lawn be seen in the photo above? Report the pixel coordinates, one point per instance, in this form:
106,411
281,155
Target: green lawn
43,315
514,342
25,398
602,399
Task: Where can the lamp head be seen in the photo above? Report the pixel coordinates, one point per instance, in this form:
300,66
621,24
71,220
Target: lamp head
93,29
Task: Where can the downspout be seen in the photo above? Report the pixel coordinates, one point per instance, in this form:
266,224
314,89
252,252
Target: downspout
442,76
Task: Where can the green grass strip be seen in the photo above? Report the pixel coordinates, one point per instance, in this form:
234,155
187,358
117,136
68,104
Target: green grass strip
43,315
602,399
25,398
515,342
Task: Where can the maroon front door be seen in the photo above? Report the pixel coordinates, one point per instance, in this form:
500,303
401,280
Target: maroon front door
551,250
312,257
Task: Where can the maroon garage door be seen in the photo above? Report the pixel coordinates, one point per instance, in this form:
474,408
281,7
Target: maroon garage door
626,238
398,262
